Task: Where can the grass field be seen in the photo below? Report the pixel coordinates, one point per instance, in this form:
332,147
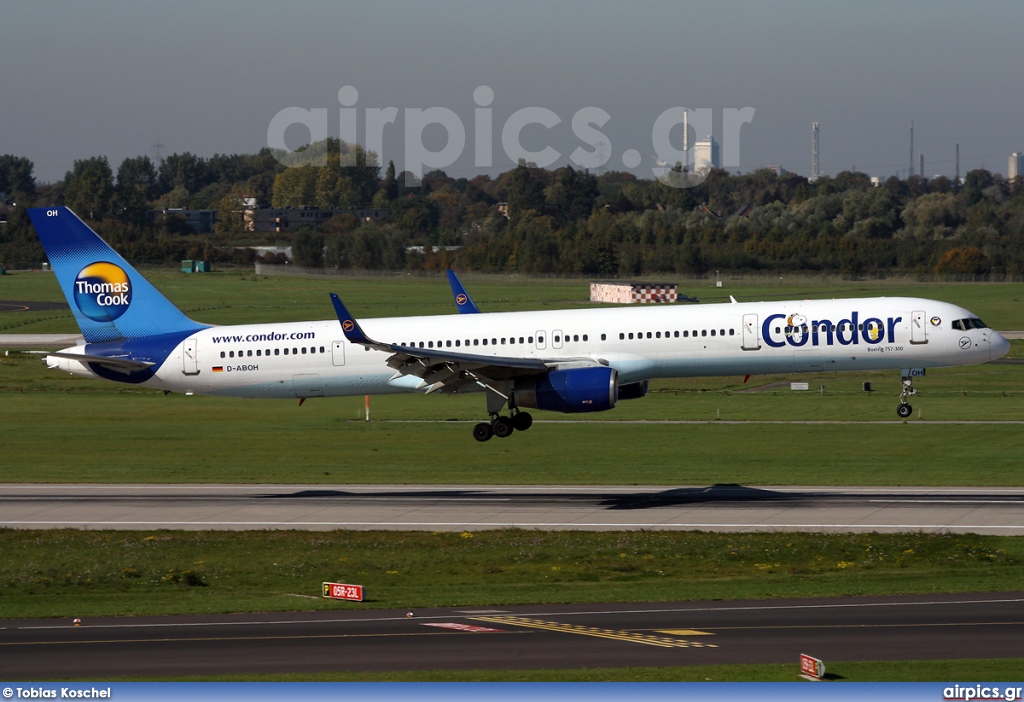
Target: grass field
69,573
1005,669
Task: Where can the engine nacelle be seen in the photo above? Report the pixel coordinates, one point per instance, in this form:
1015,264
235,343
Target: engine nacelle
571,390
634,391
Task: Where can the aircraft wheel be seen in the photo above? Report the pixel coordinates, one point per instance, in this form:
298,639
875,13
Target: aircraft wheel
522,421
502,427
904,410
482,431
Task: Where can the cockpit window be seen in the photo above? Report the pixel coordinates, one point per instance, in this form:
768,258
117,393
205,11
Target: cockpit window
971,323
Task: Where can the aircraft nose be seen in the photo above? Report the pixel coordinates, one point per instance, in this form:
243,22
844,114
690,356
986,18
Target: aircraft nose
1000,346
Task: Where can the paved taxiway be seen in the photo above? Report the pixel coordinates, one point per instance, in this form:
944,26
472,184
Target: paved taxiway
542,636
458,508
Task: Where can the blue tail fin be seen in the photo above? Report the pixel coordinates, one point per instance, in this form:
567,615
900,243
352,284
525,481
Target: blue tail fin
463,301
109,299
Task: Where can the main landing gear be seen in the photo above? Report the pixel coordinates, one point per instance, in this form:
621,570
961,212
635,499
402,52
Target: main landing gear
904,409
502,427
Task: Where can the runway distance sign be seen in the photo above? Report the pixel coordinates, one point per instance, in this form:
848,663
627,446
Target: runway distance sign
811,668
343,591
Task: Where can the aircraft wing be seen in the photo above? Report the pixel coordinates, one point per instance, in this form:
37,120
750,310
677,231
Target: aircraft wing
447,371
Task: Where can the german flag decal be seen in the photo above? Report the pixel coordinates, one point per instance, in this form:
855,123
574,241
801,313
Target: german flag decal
218,369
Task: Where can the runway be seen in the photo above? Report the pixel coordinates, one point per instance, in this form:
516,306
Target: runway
529,637
734,508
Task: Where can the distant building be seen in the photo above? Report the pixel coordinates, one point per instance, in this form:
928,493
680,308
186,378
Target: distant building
706,155
199,221
776,169
1016,166
286,219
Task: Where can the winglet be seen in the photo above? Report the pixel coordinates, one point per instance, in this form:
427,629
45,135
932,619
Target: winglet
463,301
353,332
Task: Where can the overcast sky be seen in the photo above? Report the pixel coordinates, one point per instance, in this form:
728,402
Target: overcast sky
115,77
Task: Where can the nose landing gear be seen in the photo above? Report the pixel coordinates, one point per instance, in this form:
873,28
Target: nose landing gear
904,409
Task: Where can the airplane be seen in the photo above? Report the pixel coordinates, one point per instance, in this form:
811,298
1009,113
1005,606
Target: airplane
571,361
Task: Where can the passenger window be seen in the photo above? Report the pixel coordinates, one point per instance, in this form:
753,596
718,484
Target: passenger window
222,354
631,335
621,336
658,335
703,332
521,340
712,332
286,352
531,339
502,341
721,332
585,337
457,342
732,332
494,342
295,351
277,352
575,337
686,334
677,335
557,338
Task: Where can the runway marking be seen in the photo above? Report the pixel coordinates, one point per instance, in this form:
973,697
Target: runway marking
629,636
952,502
920,625
470,628
191,639
759,525
712,422
659,610
684,632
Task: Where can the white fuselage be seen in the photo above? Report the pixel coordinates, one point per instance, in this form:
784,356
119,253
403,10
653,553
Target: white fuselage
312,359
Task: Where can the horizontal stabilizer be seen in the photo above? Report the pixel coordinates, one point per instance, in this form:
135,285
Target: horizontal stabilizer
124,365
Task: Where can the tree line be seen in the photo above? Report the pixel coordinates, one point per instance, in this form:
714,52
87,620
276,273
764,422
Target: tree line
534,220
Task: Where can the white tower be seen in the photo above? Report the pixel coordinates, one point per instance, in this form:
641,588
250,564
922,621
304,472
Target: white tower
814,151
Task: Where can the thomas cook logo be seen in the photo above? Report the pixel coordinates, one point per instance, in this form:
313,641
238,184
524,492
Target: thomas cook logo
461,299
103,292
347,325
